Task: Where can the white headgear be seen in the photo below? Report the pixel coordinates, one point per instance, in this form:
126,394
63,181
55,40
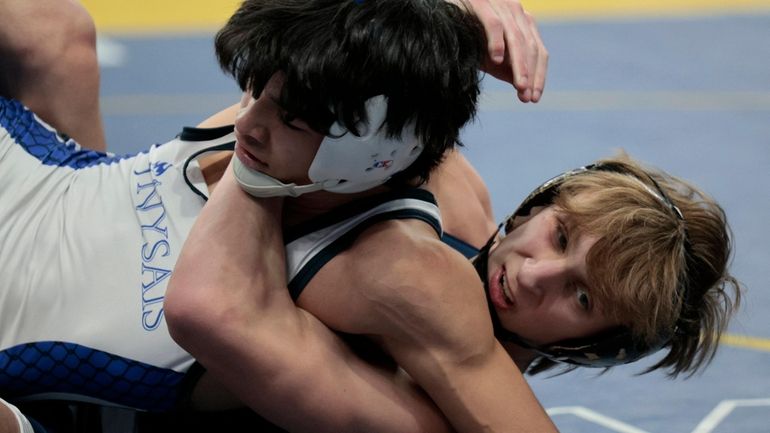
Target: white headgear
346,164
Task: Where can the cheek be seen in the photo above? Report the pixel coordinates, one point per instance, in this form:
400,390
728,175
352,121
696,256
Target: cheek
298,153
305,150
505,250
527,323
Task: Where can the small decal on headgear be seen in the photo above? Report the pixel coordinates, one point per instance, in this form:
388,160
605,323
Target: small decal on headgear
386,163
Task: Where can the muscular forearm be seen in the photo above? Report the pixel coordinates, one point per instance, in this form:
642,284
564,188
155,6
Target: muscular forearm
221,275
216,253
220,284
471,379
487,394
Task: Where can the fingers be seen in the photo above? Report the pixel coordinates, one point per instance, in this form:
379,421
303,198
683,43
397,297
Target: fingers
494,28
516,52
539,63
514,42
520,47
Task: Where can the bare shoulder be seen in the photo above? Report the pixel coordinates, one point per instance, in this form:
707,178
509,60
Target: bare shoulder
399,254
400,281
462,195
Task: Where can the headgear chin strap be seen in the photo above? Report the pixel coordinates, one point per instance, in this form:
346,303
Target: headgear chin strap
345,162
259,184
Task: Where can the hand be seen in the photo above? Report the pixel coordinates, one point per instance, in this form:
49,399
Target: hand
516,51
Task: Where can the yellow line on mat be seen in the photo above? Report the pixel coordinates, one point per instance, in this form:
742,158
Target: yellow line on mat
570,9
159,16
173,16
746,342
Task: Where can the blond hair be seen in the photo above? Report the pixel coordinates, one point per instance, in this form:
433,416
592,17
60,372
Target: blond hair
662,275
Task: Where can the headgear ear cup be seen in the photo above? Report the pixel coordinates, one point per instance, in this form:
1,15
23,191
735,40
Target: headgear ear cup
346,163
358,163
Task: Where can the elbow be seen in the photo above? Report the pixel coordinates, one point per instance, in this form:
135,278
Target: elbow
190,314
202,318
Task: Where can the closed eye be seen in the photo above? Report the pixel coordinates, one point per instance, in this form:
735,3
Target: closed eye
290,120
291,125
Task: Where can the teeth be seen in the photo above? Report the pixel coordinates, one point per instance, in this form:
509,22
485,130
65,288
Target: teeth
504,285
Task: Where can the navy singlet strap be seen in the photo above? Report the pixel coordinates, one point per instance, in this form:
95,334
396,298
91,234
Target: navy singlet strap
464,248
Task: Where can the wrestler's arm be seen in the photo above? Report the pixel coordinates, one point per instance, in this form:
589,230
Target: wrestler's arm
462,366
434,321
228,305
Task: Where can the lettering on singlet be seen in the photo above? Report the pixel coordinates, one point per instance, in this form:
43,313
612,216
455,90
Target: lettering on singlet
157,245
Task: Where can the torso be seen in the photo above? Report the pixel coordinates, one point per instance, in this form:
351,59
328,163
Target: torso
89,242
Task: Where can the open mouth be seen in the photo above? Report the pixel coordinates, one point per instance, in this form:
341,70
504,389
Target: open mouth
499,290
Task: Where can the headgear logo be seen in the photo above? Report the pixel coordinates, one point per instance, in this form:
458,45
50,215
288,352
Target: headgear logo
385,164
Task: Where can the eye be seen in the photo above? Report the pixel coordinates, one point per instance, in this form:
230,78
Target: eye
296,123
582,298
562,238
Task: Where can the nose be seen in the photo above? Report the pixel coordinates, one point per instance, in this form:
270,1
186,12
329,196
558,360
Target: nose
251,119
541,277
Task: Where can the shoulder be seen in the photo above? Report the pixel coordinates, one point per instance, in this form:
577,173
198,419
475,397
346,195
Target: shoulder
466,208
411,249
416,288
